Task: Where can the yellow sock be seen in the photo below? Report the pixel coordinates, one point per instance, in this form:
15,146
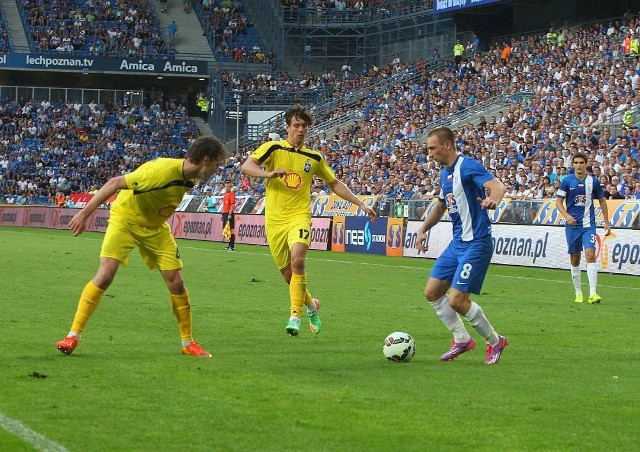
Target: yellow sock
307,299
182,311
297,293
89,300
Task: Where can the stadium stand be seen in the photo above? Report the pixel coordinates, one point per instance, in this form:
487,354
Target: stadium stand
230,32
73,148
341,11
6,43
559,95
113,28
539,103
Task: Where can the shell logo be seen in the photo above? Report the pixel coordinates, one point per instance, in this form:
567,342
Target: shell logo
293,180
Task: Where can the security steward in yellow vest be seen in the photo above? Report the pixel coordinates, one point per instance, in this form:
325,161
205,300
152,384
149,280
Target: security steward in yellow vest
203,103
458,52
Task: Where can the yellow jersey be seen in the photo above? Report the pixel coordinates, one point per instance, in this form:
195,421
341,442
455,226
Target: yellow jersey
155,191
290,196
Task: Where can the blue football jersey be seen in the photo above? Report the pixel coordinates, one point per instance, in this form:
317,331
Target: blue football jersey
461,186
579,195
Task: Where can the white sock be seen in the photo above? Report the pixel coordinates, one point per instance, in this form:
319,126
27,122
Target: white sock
450,318
312,307
74,334
479,322
575,277
592,276
185,343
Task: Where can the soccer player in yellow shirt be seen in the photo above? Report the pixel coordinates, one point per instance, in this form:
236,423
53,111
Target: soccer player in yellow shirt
288,167
148,197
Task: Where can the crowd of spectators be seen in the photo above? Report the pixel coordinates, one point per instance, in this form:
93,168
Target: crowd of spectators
50,148
229,29
575,96
95,27
231,33
276,81
330,94
5,40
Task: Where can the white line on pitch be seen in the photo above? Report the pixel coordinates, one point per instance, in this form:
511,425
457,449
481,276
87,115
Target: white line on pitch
27,435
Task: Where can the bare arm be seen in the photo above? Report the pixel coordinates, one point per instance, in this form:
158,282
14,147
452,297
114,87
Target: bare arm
340,189
560,206
605,215
111,187
496,193
432,219
251,167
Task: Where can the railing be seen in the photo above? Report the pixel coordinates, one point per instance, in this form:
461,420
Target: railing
331,17
466,115
470,113
276,99
65,95
351,99
276,124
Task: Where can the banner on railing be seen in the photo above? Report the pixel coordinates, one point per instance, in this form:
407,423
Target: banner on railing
184,225
537,246
445,6
335,206
622,213
361,235
249,229
494,215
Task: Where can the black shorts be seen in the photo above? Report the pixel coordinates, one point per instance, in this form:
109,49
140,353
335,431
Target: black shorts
231,217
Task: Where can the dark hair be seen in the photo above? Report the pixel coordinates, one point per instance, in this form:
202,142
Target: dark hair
298,111
443,134
579,155
203,147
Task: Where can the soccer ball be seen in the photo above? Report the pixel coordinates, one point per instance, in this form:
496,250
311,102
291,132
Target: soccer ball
399,346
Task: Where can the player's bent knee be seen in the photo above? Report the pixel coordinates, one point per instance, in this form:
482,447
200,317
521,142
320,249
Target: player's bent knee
103,279
297,265
432,294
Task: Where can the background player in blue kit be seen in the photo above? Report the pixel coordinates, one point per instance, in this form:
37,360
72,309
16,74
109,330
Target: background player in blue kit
579,190
463,264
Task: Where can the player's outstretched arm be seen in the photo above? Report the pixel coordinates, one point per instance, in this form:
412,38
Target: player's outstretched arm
605,215
340,189
77,224
432,219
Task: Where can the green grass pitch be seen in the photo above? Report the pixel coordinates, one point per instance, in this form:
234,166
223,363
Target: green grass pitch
569,379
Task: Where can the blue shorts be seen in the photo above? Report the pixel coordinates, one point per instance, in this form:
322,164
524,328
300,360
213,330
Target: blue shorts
464,264
580,238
